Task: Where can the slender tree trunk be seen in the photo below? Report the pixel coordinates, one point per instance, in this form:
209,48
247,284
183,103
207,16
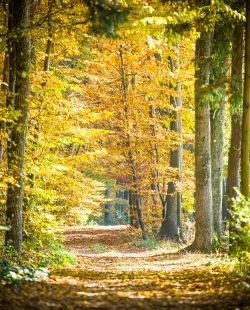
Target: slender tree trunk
236,116
18,99
5,89
204,213
180,152
136,193
140,218
132,210
50,39
163,197
245,153
218,82
155,172
107,214
217,142
170,225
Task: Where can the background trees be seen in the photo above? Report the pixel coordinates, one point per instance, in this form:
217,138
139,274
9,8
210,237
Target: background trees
121,112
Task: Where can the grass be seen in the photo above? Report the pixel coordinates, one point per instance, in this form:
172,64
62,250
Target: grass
99,248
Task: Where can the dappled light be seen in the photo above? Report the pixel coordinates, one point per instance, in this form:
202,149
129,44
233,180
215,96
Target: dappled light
112,273
124,154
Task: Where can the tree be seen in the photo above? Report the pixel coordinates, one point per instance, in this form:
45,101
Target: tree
50,37
221,48
245,153
172,221
107,211
236,113
18,101
203,182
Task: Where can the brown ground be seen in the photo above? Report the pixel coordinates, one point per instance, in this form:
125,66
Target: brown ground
114,274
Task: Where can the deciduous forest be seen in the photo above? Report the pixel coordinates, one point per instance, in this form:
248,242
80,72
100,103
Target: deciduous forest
124,154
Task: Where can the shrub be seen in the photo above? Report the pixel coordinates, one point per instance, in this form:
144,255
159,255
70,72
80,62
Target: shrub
240,233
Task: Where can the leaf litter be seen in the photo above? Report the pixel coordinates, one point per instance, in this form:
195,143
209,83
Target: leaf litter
113,273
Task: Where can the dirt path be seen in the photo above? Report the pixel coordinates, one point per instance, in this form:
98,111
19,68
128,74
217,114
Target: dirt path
113,274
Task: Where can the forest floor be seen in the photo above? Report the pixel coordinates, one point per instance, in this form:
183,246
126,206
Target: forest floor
113,273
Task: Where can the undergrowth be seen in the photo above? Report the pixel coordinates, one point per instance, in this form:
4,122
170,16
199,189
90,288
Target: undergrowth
154,243
35,261
240,236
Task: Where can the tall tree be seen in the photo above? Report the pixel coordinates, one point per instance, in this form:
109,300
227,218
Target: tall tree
4,88
236,114
245,153
18,101
221,47
203,181
132,164
170,225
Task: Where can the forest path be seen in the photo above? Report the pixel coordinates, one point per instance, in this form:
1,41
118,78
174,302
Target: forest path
112,273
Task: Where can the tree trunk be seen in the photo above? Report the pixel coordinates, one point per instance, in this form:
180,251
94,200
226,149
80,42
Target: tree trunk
217,141
204,213
140,218
18,99
124,85
107,214
245,153
132,210
50,39
170,225
236,116
218,82
5,89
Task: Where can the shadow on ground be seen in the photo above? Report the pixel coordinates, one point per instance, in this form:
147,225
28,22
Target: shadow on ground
128,279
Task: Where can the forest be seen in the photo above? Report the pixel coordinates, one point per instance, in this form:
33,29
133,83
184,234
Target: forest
124,154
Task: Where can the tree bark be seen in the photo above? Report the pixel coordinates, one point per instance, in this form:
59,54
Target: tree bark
204,213
5,89
138,208
107,214
236,116
172,221
18,99
245,153
50,39
218,82
132,210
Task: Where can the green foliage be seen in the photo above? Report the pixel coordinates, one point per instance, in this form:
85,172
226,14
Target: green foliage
92,222
150,243
55,256
240,232
106,15
14,269
99,248
33,263
15,273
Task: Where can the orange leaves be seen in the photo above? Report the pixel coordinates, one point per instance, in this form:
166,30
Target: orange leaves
113,273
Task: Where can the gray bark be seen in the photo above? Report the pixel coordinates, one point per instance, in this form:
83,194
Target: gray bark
172,221
221,46
107,214
204,213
